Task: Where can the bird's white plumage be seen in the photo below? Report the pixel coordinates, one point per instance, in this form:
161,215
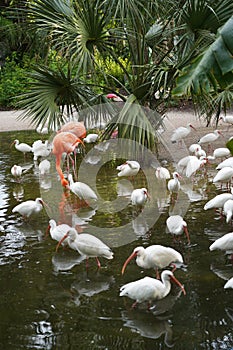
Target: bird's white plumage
129,168
29,207
210,137
44,167
228,210
16,171
22,147
139,196
162,173
224,243
173,185
88,245
181,132
148,289
57,232
229,283
223,175
82,190
218,201
225,163
91,138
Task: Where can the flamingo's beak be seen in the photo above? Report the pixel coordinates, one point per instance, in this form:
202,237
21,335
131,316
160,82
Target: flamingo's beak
127,261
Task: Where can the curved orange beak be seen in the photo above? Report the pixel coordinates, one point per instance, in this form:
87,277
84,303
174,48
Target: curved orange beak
61,240
127,261
175,280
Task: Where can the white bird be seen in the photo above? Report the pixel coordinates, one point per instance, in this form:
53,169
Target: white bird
22,147
91,138
210,137
176,226
16,171
129,168
173,185
80,189
139,196
225,163
183,162
224,243
27,208
87,245
44,167
57,232
155,256
180,133
199,152
148,289
224,175
162,173
228,210
221,152
218,201
193,147
194,164
229,283
227,119
40,149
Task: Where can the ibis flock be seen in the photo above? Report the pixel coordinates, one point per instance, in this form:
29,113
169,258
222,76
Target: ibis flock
161,260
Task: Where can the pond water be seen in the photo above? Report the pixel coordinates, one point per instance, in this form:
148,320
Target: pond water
50,301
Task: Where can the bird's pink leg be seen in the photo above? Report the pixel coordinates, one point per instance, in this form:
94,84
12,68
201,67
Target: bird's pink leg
87,265
98,263
134,305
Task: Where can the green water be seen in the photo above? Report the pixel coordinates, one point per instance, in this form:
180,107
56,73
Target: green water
48,299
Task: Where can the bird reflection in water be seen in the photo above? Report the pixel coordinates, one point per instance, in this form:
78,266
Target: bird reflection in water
88,285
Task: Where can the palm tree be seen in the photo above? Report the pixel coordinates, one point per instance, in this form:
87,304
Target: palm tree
156,39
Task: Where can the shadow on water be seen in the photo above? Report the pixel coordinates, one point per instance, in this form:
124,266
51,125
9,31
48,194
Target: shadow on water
49,300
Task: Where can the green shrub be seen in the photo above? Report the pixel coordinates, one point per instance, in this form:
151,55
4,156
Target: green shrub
13,80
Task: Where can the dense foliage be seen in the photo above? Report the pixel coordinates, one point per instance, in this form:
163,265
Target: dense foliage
144,50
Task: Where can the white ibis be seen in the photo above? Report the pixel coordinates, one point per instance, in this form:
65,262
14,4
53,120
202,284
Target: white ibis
91,138
199,152
87,245
225,163
129,168
148,289
173,185
155,256
228,210
57,232
139,196
180,133
176,226
194,164
80,189
229,283
44,167
221,152
193,147
227,119
27,208
162,173
22,147
224,175
224,243
218,201
16,171
210,137
40,149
